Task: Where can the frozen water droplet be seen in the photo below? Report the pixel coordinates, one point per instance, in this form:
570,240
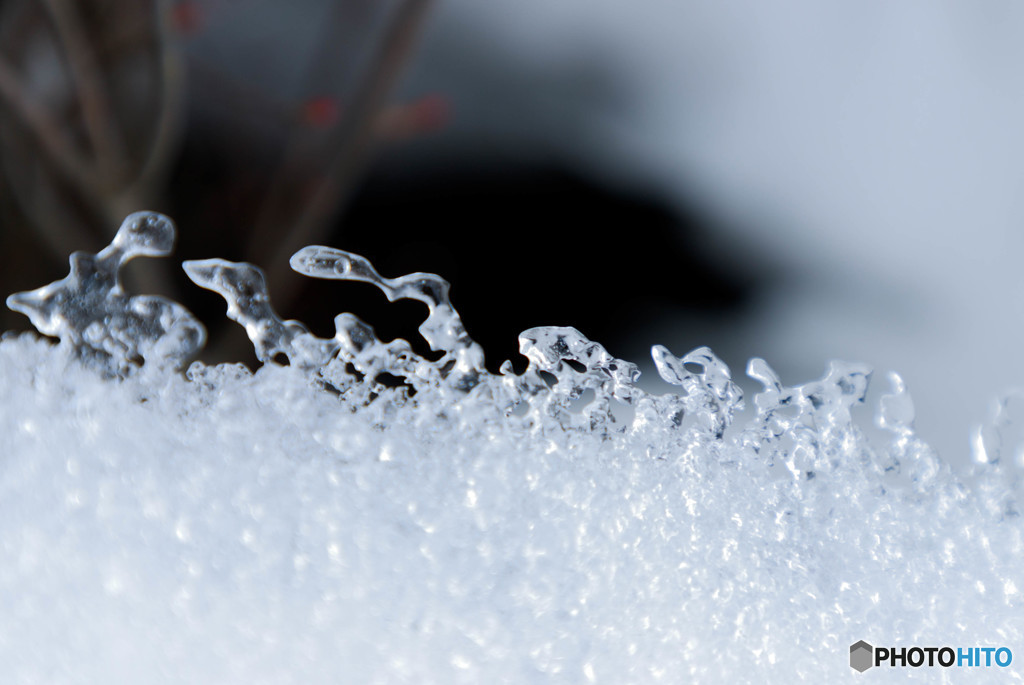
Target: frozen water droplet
710,393
844,385
1003,434
92,315
564,366
896,410
443,329
998,447
244,287
907,453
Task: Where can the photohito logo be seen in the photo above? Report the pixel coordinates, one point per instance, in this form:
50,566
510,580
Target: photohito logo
863,656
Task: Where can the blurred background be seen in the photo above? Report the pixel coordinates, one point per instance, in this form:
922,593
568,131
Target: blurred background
797,181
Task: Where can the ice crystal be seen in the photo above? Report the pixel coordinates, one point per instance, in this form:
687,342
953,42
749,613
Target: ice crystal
91,314
312,523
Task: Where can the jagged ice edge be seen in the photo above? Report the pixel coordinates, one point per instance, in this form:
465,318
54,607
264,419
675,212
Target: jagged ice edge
806,427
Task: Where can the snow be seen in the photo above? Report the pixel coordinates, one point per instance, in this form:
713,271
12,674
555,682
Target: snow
305,524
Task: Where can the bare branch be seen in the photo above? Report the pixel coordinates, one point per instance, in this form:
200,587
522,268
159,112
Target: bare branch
169,121
100,123
31,183
48,133
350,145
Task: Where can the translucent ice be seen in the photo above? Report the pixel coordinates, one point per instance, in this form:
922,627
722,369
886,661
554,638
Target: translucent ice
311,523
245,289
443,330
90,312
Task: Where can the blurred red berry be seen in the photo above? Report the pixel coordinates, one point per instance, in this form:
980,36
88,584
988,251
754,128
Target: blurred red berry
321,112
401,122
186,17
431,112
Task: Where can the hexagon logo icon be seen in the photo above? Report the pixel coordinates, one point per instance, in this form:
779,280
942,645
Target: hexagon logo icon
862,656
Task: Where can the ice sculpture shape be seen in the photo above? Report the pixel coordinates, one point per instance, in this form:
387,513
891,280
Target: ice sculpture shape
443,330
244,287
93,316
354,361
464,526
568,378
908,453
563,367
710,392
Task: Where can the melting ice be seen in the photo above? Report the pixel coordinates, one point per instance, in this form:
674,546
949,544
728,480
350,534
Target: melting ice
312,523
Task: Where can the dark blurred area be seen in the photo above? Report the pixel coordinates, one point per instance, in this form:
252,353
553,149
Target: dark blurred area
260,129
523,244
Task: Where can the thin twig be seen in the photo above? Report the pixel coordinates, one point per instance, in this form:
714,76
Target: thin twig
350,145
238,97
306,151
29,176
60,231
47,132
169,119
100,124
156,278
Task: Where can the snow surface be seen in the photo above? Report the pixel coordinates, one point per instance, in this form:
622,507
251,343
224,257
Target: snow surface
306,524
246,528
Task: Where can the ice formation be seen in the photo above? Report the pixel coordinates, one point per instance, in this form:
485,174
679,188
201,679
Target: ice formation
91,314
311,523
